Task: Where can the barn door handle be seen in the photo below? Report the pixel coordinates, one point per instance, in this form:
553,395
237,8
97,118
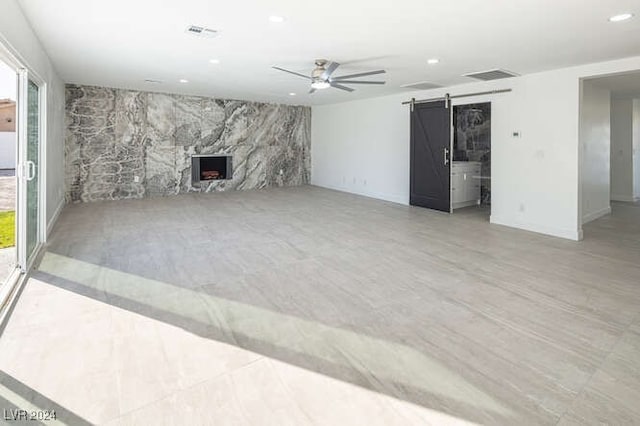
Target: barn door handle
446,156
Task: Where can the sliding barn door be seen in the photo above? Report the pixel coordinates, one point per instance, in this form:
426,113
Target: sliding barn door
430,156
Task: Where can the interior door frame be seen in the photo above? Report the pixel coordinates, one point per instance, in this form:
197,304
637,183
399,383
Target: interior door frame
451,136
470,101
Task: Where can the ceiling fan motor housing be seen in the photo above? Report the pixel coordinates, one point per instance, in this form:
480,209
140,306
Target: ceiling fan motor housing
316,74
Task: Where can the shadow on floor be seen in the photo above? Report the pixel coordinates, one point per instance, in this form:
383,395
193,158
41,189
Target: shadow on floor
15,411
393,299
384,366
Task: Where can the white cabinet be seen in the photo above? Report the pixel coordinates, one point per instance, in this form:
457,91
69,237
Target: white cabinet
465,183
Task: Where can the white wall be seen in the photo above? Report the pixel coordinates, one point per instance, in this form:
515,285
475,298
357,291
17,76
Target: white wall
622,149
595,136
363,147
368,141
17,36
8,145
636,148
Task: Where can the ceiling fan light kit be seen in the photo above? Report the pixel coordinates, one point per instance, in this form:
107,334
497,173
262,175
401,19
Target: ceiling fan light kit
320,84
321,76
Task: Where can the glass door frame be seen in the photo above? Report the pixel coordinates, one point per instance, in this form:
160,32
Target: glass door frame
25,259
11,287
24,73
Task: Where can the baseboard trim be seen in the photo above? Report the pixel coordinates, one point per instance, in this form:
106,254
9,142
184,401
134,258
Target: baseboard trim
569,234
625,198
377,195
55,216
596,215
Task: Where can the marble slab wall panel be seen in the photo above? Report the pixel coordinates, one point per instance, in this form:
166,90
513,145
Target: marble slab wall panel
114,136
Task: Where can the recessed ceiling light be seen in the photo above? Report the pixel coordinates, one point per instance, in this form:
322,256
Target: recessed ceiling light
292,94
276,18
433,61
621,17
182,80
214,61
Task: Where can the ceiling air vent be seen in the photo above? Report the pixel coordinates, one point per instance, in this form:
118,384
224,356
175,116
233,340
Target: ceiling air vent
201,31
421,85
496,74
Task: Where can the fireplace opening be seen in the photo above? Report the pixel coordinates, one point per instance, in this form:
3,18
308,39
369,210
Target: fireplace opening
210,167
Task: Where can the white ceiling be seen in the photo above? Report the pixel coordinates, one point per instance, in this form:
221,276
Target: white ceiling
119,43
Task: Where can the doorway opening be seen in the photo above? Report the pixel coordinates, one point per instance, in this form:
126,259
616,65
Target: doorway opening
8,179
471,165
450,167
610,157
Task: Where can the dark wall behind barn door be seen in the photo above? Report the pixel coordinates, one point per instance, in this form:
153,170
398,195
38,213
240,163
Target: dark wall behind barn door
430,156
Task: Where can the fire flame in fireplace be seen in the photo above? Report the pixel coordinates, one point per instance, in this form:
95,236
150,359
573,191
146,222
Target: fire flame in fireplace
210,175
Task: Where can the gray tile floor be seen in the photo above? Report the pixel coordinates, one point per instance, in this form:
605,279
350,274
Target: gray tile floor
310,306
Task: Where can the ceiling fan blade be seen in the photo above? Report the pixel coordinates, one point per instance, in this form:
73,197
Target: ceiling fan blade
312,91
361,74
341,87
292,72
360,82
330,69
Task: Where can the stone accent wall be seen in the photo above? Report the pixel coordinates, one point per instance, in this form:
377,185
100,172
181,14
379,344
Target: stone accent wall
130,144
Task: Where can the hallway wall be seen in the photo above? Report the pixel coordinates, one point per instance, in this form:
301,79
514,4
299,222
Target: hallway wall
622,149
595,136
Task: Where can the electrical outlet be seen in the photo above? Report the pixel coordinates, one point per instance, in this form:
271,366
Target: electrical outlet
521,208
281,172
136,179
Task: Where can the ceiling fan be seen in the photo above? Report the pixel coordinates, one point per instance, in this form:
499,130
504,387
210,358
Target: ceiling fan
321,76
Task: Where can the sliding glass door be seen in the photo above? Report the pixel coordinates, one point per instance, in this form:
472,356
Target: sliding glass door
29,175
32,169
30,132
